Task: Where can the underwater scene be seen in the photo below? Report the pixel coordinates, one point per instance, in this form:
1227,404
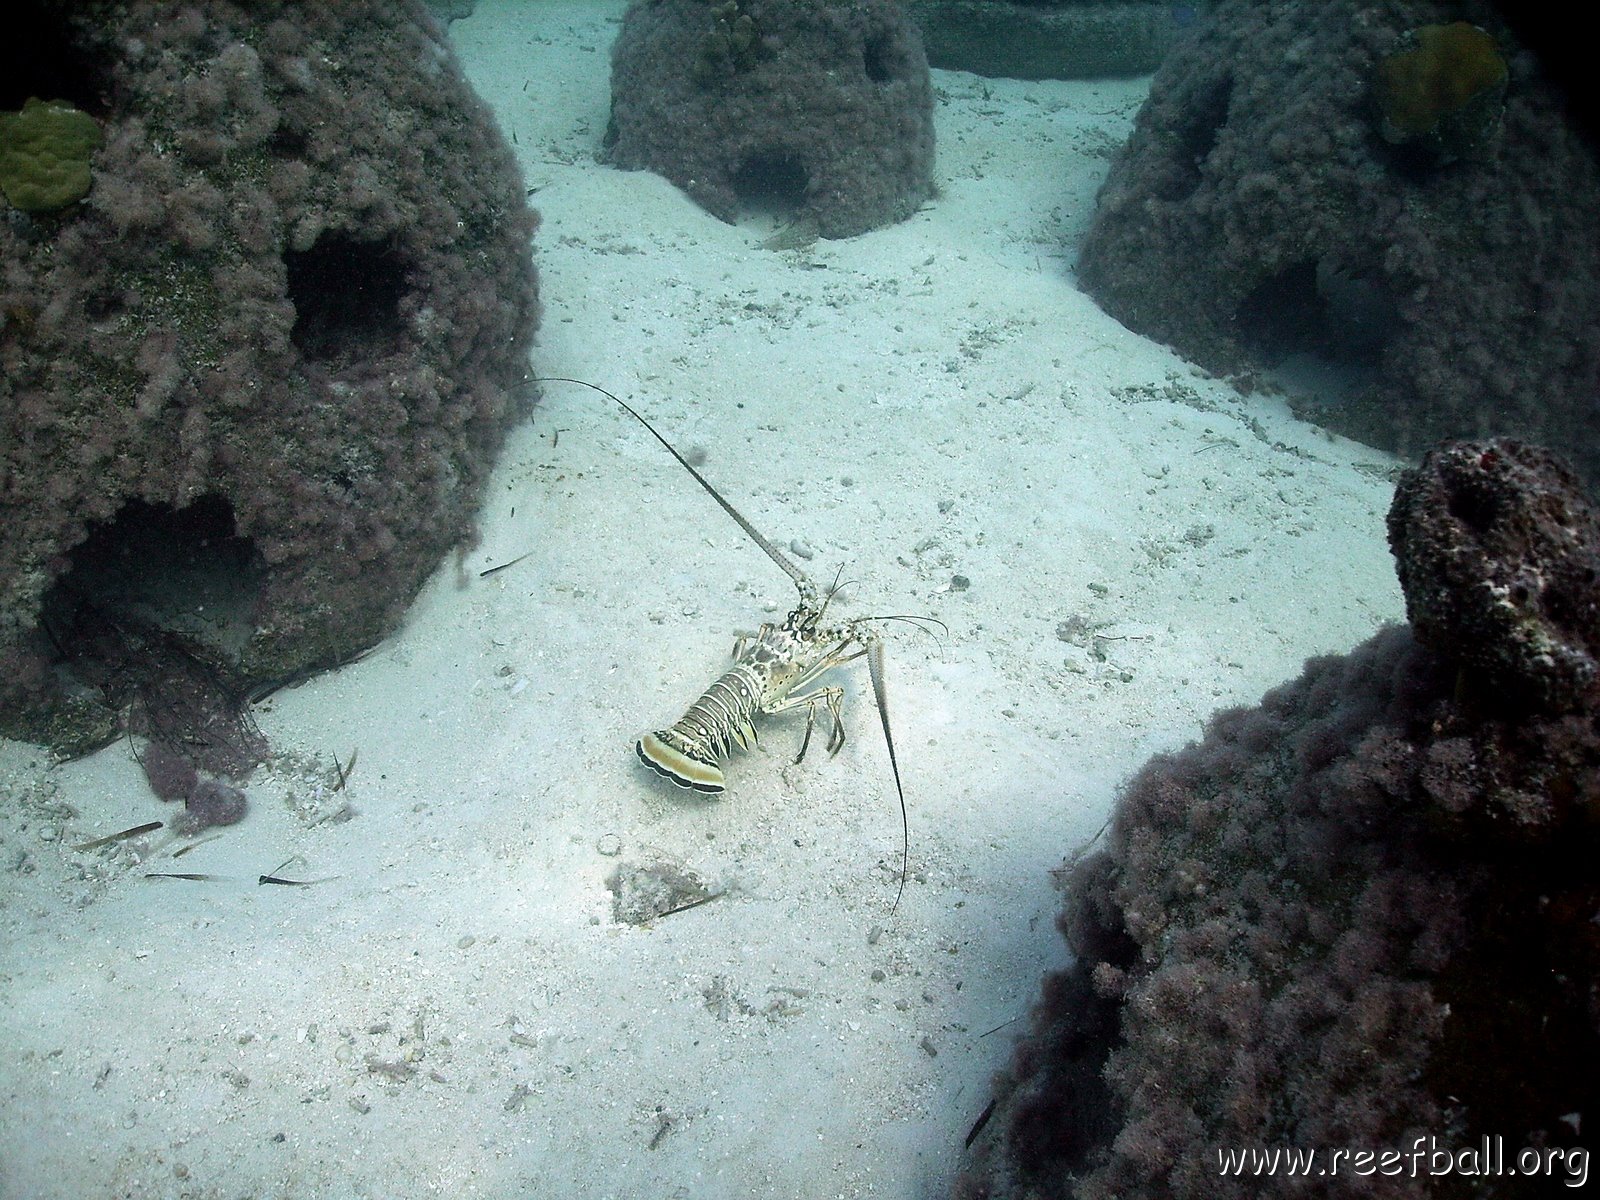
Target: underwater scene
797,598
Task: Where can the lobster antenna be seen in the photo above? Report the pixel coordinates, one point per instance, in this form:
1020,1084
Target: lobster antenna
880,694
801,581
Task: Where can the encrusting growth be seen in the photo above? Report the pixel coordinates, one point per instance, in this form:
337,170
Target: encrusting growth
1360,913
271,354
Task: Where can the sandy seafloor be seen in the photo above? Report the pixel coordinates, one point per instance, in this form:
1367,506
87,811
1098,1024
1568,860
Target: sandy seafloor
1118,545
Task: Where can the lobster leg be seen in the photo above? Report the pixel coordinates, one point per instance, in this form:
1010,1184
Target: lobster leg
833,697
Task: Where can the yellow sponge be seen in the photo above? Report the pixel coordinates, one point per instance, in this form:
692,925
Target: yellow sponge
1452,75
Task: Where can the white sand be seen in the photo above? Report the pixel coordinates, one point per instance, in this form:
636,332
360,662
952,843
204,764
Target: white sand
925,402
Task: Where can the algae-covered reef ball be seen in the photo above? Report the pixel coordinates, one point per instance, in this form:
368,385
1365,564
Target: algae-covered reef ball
266,300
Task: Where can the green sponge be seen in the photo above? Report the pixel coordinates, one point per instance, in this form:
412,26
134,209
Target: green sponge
44,154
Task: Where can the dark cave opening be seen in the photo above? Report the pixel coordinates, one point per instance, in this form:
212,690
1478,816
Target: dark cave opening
151,616
185,571
771,184
1319,327
346,295
1282,314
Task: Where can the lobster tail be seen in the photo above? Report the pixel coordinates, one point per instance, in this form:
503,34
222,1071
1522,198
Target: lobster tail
690,753
684,763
